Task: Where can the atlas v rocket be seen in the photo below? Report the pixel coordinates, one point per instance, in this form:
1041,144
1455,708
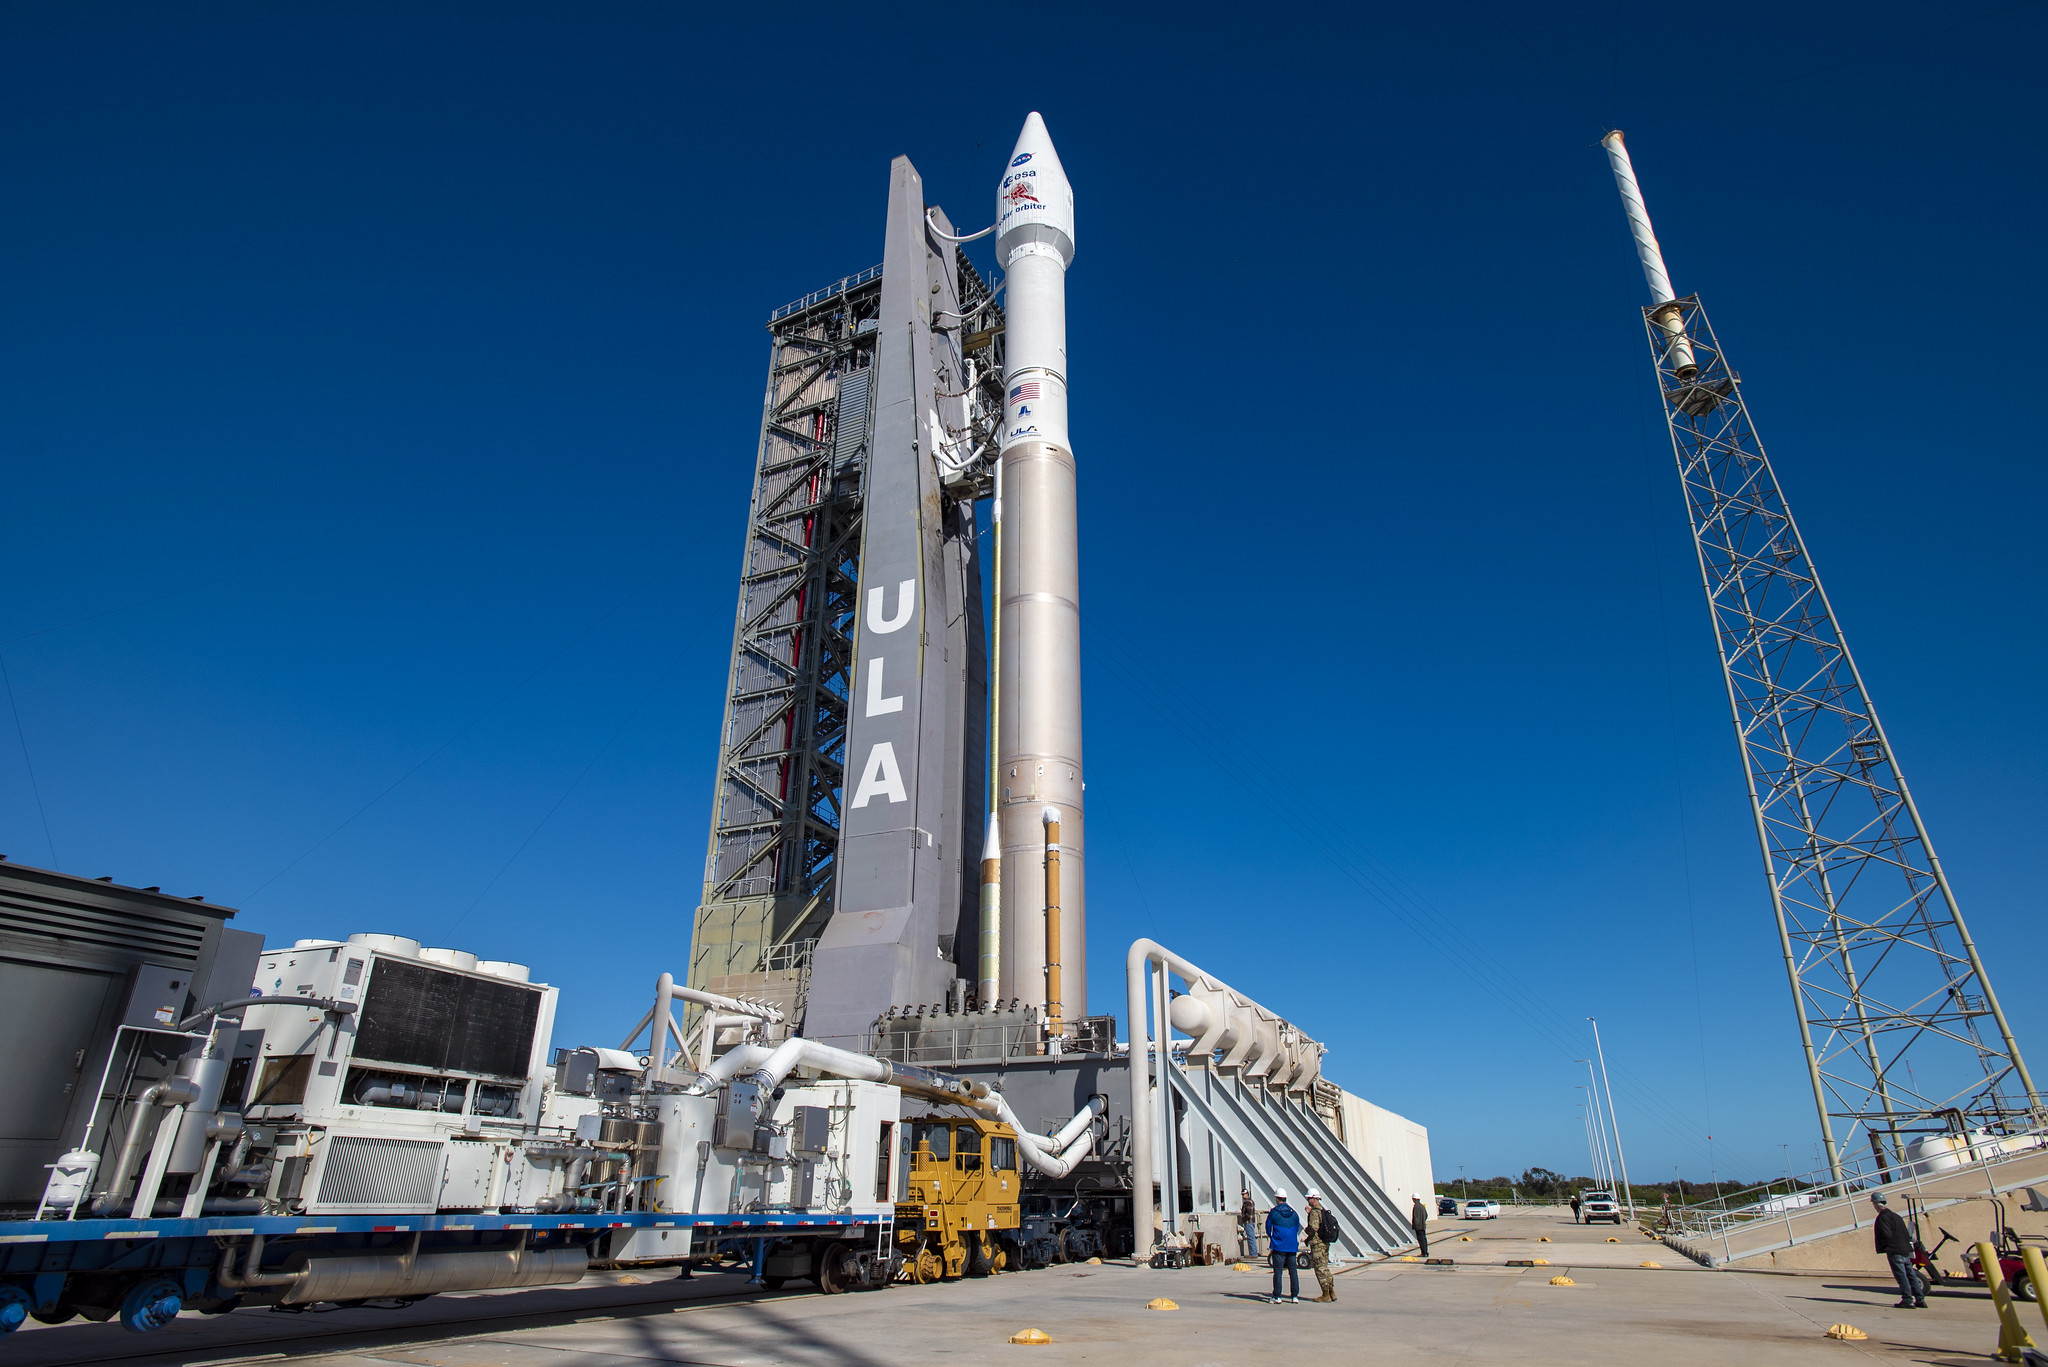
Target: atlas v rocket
925,790
1038,781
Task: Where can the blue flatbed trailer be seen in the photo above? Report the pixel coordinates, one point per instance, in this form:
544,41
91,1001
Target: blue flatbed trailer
146,1271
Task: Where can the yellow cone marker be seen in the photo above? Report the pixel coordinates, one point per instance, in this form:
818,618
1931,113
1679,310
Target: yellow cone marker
1095,1262
1562,1281
1544,1240
1614,1241
1161,1303
1410,1258
1031,1336
1848,1332
1240,1267
1539,1262
1464,1238
1653,1265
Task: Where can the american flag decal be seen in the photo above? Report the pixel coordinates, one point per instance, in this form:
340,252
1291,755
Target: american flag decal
1024,392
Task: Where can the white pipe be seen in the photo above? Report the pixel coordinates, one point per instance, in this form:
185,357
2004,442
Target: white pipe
1074,1128
727,1066
1651,254
1146,1051
772,1066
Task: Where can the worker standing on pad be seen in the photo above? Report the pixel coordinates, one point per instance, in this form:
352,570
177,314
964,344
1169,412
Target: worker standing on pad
1418,1220
1895,1241
1319,1229
1248,1224
1283,1237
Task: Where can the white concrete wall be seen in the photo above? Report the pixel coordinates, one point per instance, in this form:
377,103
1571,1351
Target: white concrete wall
1393,1148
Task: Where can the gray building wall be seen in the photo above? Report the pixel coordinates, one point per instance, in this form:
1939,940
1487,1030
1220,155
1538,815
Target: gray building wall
71,949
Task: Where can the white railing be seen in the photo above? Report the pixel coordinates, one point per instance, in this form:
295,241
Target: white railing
815,297
1777,1202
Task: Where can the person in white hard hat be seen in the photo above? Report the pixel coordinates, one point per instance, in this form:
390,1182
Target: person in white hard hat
1418,1220
1283,1239
1317,1233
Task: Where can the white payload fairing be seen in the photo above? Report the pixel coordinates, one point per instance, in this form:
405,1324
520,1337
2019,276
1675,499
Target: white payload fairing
1038,744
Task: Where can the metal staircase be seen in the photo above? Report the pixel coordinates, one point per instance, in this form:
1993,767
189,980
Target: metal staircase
1279,1144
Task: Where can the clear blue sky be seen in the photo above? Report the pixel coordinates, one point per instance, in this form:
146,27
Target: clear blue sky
379,387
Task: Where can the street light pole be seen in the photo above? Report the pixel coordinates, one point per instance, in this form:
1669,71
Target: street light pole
1599,1123
1614,1120
1592,1143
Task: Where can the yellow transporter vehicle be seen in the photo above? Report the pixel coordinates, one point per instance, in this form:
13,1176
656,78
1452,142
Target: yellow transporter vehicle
959,1214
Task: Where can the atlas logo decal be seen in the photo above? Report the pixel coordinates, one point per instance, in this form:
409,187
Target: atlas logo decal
1020,159
1030,431
1019,195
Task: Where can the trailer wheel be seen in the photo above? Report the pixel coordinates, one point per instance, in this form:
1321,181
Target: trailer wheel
14,1308
151,1304
833,1270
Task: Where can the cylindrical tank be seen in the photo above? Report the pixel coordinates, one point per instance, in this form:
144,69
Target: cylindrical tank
399,946
208,1074
1038,734
692,1177
370,1276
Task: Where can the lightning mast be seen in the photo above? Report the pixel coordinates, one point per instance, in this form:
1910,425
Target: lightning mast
1881,964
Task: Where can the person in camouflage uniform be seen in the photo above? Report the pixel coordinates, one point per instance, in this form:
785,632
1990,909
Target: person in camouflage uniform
1317,1247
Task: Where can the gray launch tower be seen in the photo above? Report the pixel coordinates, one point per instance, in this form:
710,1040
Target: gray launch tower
851,788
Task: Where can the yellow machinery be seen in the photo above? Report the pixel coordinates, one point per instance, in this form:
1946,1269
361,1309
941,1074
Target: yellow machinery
959,1214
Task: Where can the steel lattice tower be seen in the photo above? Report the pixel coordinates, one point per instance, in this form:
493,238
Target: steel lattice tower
775,815
1900,1026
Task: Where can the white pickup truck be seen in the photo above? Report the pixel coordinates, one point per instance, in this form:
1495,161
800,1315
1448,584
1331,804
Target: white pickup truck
1598,1205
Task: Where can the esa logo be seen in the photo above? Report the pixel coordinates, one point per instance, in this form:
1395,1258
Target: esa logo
1020,159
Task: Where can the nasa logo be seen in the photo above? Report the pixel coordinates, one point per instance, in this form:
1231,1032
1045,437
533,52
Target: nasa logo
1019,195
1020,159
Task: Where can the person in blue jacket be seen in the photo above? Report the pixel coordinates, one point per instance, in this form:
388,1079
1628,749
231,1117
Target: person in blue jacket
1283,1237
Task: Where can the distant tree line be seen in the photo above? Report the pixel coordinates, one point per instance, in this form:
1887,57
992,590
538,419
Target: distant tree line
1541,1184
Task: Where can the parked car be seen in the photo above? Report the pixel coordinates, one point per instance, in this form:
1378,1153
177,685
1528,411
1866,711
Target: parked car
1447,1205
1477,1209
1598,1205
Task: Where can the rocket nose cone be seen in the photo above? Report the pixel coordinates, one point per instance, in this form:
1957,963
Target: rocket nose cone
1034,149
1035,201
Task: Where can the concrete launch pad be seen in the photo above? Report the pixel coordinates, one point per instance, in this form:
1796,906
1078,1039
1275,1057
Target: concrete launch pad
1389,1312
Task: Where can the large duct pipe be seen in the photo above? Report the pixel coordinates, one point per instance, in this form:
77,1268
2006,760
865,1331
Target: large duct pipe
1259,1034
1038,732
1055,1157
1651,254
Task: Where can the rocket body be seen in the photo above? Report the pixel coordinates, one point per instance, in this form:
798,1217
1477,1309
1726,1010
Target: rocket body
1038,748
